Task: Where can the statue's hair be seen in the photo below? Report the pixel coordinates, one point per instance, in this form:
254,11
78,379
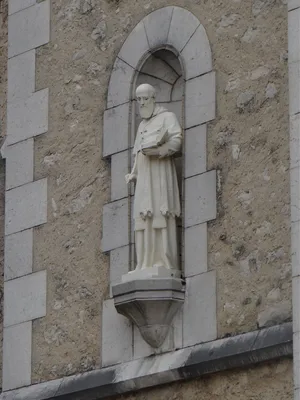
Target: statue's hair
145,87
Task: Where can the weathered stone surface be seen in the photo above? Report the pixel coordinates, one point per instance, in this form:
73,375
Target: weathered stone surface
195,248
200,102
274,315
198,48
157,26
245,100
294,141
25,298
119,84
250,35
119,264
26,206
21,76
183,25
195,151
17,356
259,6
295,255
115,130
19,164
293,36
29,28
199,311
294,87
271,91
99,33
116,336
18,5
295,193
200,199
28,117
18,254
115,225
135,46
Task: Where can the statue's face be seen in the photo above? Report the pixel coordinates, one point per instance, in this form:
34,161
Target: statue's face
146,103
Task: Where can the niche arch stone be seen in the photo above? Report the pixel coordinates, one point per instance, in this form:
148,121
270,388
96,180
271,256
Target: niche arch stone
178,31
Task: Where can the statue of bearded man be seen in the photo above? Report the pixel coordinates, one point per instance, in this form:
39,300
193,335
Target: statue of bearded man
156,202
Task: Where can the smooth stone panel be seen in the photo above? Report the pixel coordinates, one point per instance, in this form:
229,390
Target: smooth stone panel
157,25
195,250
199,313
295,193
295,249
296,302
135,46
21,76
25,298
183,25
19,164
292,4
119,168
195,151
294,35
294,141
294,88
18,5
200,103
115,130
28,117
115,232
120,84
116,336
29,28
197,54
17,356
26,206
18,254
296,360
119,265
200,199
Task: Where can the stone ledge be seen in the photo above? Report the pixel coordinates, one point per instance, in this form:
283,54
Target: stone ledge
220,355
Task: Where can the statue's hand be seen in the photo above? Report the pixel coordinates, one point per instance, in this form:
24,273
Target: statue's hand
163,151
130,177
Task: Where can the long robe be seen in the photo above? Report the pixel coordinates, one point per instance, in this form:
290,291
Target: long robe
157,202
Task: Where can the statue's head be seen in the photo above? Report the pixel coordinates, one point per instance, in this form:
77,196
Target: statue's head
145,96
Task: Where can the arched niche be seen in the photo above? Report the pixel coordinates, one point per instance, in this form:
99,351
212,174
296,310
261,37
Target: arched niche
174,36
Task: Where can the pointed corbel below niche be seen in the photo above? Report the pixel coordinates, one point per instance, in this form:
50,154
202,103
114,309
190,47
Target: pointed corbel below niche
150,304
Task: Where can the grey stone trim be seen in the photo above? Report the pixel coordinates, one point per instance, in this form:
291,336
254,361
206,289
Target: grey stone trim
293,4
157,25
17,356
29,28
192,362
195,250
195,151
119,168
18,5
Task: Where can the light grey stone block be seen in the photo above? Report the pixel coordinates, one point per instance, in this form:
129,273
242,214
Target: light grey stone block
197,54
119,168
116,336
135,46
200,103
119,84
296,299
28,117
294,88
296,361
199,313
17,356
119,265
115,130
295,194
21,76
195,151
18,5
183,25
294,141
295,250
294,35
200,199
195,250
29,28
18,254
115,225
19,164
157,25
26,206
292,4
25,298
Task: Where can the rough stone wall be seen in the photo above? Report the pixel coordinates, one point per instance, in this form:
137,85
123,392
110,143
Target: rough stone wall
3,84
247,143
271,381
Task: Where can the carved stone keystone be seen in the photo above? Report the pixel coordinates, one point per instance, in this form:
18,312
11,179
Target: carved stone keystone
150,304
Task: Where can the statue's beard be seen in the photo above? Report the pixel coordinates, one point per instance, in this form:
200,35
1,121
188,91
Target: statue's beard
146,111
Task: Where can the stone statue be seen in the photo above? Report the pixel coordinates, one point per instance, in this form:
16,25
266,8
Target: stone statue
156,201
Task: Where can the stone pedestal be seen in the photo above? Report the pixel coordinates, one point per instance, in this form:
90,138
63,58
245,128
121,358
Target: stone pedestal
150,303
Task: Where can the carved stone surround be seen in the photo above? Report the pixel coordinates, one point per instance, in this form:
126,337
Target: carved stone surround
179,31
